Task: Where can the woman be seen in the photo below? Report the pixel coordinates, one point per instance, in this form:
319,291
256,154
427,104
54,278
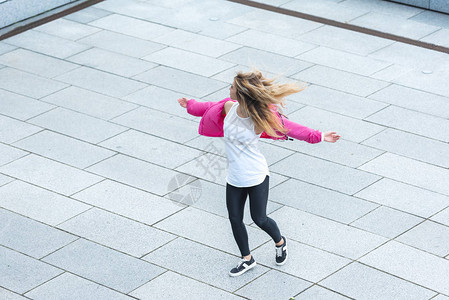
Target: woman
251,111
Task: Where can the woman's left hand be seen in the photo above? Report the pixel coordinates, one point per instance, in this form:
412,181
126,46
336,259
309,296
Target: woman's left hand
331,136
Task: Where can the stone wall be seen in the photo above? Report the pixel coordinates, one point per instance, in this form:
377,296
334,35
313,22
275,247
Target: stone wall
438,5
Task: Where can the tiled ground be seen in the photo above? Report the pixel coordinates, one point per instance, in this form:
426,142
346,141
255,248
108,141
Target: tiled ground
108,192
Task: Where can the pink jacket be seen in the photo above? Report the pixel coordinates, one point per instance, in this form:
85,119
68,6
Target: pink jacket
211,123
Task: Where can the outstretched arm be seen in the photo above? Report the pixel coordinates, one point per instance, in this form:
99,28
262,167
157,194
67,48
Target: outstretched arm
331,136
194,107
303,133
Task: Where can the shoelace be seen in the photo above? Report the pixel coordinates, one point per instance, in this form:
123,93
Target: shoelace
279,251
241,262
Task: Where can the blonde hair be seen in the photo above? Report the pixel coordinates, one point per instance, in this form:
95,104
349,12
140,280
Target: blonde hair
259,97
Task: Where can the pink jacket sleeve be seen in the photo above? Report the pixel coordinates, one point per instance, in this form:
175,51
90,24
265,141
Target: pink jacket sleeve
198,109
301,132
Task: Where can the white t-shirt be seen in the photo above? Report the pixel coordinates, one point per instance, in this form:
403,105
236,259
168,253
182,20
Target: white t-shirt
246,164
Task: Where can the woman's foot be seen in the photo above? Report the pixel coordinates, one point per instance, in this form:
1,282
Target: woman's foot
243,266
281,253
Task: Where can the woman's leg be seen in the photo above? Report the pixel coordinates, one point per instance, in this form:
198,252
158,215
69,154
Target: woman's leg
258,196
235,202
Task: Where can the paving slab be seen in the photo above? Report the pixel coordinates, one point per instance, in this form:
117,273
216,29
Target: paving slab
39,204
435,82
182,256
67,29
5,179
325,234
361,282
77,125
428,236
8,295
104,266
411,264
319,293
87,15
162,287
9,154
442,217
89,103
58,177
387,222
5,48
12,130
385,7
320,201
20,107
20,273
74,287
129,202
304,261
439,37
64,149
30,237
208,166
116,232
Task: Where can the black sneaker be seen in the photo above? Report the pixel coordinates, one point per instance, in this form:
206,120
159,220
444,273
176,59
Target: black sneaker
281,253
242,267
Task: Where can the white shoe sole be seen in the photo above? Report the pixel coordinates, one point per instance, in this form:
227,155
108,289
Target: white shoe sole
243,271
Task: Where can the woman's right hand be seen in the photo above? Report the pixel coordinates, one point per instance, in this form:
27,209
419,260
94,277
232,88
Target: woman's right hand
183,102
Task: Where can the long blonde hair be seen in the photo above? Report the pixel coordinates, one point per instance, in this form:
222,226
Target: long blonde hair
259,96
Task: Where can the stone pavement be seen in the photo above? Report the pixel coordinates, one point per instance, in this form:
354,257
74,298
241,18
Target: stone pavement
108,192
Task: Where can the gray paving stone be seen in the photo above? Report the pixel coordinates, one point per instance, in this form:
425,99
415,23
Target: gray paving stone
152,149
90,103
36,63
394,25
391,73
46,44
27,84
128,202
58,177
440,37
413,122
101,82
324,173
345,40
428,236
273,152
20,273
305,262
271,42
162,287
275,23
343,61
130,26
39,204
5,179
135,9
193,223
181,81
434,83
87,15
7,295
161,99
341,80
160,124
405,197
104,266
412,146
121,43
440,297
336,101
432,18
318,293
67,29
21,107
413,99
387,222
283,286
197,43
64,149
77,125
442,217
410,171
136,173
182,256
325,234
273,2
30,237
384,7
319,201
9,154
188,61
326,9
209,167
411,264
266,61
5,48
70,286
117,232
361,282
220,29
115,63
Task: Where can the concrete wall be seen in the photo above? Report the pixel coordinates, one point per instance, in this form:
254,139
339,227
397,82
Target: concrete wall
438,5
13,11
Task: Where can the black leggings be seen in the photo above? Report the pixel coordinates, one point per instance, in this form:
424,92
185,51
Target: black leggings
258,198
